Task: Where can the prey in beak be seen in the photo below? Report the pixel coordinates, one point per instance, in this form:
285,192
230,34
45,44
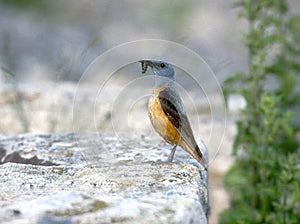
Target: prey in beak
145,64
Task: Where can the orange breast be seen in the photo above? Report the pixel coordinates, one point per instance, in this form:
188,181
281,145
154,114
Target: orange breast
160,121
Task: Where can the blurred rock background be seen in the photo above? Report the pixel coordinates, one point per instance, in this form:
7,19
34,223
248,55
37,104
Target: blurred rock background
56,40
45,47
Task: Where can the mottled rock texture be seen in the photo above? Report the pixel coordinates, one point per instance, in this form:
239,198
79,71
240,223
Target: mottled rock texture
92,178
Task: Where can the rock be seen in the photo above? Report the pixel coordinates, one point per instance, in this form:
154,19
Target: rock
99,179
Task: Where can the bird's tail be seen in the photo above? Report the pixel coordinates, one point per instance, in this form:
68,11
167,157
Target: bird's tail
197,154
201,158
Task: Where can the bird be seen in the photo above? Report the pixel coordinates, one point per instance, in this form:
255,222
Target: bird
167,113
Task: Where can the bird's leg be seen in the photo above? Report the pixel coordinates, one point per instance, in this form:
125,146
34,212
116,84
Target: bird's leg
171,156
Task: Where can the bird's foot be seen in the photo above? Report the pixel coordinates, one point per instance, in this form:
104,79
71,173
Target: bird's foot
171,156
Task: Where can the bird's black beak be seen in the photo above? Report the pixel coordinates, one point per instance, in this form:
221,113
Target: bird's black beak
145,64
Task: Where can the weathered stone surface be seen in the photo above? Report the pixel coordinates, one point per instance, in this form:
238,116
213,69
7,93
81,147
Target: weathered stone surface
99,179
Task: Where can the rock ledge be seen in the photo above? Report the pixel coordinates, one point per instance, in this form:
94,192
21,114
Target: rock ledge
91,178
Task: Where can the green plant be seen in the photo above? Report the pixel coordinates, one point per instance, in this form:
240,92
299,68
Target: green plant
264,180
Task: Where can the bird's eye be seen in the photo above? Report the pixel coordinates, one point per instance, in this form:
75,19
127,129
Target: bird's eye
162,65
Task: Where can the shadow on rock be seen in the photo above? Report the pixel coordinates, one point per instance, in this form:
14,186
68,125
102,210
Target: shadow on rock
15,157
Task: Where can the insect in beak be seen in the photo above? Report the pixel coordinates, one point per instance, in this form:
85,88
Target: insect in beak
145,65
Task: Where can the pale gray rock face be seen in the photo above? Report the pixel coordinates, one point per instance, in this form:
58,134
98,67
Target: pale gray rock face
91,178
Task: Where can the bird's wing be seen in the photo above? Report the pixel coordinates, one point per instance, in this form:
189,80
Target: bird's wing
171,110
174,110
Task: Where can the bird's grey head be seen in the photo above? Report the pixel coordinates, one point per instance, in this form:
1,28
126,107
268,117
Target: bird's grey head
159,68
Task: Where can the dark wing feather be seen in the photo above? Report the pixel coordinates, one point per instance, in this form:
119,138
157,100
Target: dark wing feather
169,108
